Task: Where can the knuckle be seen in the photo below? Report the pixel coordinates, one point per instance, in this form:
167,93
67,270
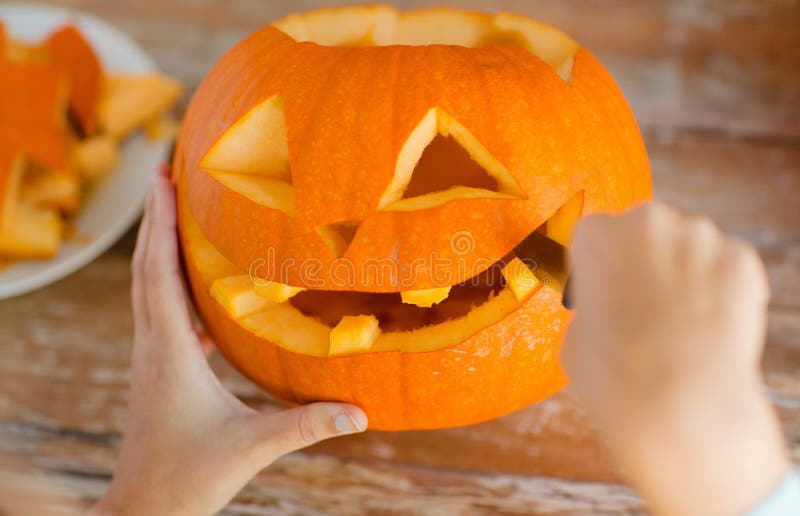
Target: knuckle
702,226
306,430
653,215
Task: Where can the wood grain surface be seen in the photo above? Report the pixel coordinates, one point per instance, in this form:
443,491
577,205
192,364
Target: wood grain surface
716,88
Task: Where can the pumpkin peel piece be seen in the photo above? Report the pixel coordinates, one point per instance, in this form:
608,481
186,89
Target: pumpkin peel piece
73,54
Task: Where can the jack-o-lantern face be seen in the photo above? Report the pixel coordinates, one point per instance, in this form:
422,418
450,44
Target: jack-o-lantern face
352,183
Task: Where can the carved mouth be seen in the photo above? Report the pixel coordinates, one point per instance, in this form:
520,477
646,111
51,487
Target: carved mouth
392,312
334,323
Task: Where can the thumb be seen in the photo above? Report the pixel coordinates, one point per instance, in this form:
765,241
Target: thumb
293,429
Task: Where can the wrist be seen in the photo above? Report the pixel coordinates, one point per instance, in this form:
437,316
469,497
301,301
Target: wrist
709,456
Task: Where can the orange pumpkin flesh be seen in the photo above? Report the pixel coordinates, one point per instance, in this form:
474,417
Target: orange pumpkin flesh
360,134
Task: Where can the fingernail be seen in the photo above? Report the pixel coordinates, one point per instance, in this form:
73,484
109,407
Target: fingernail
349,423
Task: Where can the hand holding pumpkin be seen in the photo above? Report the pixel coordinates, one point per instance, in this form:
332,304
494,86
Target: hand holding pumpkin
663,353
189,444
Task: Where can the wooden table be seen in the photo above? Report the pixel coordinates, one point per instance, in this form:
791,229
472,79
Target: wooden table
716,87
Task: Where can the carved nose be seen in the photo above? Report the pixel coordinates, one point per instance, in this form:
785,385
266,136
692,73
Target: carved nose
339,235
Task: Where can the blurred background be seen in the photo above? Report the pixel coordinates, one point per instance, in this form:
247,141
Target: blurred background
715,86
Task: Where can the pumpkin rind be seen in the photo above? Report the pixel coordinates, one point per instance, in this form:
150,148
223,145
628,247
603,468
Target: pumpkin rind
542,108
73,54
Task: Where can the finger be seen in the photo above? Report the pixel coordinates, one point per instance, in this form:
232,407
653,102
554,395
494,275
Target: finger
165,170
166,299
138,289
293,429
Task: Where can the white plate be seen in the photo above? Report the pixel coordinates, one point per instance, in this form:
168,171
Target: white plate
115,203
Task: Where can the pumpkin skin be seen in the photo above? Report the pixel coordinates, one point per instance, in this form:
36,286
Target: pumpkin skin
349,112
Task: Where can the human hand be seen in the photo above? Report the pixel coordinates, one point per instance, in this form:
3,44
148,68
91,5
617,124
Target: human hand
189,445
663,353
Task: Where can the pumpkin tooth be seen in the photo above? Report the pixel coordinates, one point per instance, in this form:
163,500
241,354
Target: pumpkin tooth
519,278
354,334
276,292
559,227
425,298
237,296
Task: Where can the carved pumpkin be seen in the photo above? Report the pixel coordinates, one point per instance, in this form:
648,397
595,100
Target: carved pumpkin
351,183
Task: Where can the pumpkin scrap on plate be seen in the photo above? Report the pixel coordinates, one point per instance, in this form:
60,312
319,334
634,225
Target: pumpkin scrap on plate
62,120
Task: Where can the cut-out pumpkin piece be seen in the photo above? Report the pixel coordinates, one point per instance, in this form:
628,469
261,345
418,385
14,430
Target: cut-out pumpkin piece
255,144
12,170
441,161
25,231
560,226
354,334
128,102
237,296
73,54
44,187
3,39
425,297
95,157
274,291
519,278
162,128
30,232
266,191
339,235
23,53
33,102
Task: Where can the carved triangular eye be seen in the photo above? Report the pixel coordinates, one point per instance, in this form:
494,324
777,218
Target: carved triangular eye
255,144
252,157
339,235
441,162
